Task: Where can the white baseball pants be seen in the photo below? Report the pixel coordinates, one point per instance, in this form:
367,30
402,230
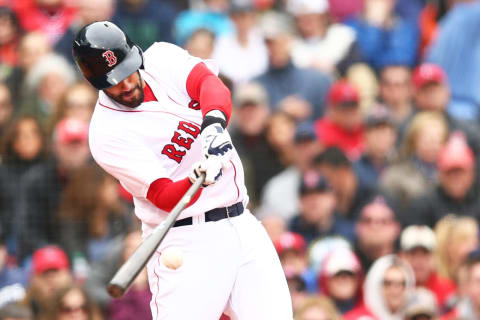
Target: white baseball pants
228,266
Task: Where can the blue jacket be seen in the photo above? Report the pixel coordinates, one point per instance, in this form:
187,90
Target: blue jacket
309,84
457,50
382,47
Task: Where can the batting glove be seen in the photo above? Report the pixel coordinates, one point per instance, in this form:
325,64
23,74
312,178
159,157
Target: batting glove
215,139
212,167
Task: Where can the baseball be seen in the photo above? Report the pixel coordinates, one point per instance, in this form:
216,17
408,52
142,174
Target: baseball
172,257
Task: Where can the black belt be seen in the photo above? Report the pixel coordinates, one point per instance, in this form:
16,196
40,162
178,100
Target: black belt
214,215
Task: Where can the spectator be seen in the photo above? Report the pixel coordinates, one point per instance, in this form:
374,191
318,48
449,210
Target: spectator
260,159
342,124
454,50
201,43
13,280
421,304
351,193
383,37
282,131
241,55
386,290
300,92
376,230
292,251
318,308
431,88
396,92
418,245
456,237
297,289
341,279
469,307
317,216
363,77
274,224
380,138
88,12
433,93
415,172
22,148
72,303
456,190
6,107
32,48
209,14
325,46
77,102
91,216
51,272
46,83
145,21
280,194
9,40
44,183
52,17
14,311
136,299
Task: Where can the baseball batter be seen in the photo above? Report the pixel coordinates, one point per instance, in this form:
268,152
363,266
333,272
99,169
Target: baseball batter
159,122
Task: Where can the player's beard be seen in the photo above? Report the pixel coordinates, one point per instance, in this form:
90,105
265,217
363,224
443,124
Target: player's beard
135,100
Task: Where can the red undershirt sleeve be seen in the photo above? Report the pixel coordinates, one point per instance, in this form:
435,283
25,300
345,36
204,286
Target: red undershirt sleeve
206,88
165,194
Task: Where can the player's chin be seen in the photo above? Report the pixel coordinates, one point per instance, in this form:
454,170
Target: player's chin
134,101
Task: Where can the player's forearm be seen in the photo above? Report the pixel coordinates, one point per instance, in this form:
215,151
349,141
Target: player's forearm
206,88
165,194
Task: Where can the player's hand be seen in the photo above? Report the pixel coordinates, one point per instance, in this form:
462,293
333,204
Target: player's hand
216,142
212,167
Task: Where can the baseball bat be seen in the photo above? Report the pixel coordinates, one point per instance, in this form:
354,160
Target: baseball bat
124,277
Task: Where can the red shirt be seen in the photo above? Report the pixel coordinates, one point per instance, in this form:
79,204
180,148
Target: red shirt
331,134
443,288
33,18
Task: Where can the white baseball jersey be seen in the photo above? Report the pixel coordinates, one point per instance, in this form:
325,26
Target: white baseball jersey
160,139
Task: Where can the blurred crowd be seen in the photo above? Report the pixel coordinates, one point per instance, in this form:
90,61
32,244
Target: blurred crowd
357,123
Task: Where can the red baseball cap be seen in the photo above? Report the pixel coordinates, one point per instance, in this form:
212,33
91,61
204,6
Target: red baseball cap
342,93
290,241
49,258
428,73
456,154
70,129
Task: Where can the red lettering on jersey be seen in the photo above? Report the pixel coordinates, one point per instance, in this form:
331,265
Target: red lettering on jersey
189,128
110,58
194,104
181,141
170,151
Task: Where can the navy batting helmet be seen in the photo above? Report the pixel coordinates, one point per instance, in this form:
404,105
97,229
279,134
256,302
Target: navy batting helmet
105,54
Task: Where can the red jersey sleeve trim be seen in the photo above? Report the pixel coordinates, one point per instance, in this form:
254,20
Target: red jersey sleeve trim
165,194
206,88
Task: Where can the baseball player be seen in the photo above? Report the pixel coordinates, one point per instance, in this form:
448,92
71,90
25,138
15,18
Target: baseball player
159,122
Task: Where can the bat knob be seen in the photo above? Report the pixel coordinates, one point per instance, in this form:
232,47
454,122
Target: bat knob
115,291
